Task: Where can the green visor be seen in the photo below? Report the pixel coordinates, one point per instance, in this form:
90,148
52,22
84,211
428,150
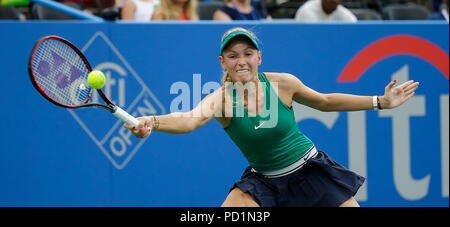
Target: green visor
234,34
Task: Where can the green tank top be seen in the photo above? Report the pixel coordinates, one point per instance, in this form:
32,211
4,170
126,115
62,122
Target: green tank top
270,140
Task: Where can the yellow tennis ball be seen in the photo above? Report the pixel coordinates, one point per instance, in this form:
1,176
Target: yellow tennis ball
96,79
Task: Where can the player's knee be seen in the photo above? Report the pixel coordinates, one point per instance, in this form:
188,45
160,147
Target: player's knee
350,203
238,198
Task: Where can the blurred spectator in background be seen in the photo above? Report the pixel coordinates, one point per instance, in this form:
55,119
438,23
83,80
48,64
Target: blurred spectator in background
11,13
87,6
176,10
442,14
239,10
120,3
83,3
324,10
139,10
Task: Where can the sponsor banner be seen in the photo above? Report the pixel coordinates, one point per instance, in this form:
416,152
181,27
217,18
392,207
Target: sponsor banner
52,156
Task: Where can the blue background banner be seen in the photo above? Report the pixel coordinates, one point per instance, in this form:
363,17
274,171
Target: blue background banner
50,156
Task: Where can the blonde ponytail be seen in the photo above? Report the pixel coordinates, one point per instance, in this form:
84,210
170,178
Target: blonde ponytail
226,78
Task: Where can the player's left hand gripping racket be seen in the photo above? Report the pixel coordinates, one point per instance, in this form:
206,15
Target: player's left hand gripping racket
59,71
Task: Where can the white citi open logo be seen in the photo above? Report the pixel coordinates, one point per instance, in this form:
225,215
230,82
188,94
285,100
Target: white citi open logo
127,90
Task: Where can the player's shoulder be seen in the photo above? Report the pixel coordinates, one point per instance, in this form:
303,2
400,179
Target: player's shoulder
284,81
281,77
217,95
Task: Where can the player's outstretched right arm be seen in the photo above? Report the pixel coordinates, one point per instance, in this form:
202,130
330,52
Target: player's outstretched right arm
179,122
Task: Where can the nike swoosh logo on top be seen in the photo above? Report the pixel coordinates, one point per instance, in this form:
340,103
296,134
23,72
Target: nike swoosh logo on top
257,127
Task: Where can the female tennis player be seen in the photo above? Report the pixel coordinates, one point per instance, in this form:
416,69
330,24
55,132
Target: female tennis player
285,168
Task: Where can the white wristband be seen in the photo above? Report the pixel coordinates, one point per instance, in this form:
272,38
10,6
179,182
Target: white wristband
375,102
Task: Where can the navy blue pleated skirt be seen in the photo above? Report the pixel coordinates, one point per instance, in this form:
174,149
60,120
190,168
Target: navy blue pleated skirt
321,182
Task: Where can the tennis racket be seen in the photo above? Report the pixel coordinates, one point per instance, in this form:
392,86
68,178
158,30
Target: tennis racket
59,71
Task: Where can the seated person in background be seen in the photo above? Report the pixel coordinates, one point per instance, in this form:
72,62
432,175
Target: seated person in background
86,6
82,3
176,10
442,14
239,10
324,10
11,13
139,10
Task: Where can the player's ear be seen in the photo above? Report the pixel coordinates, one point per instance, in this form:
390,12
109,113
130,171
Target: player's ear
259,57
221,60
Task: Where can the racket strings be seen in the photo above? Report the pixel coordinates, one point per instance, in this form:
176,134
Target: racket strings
60,72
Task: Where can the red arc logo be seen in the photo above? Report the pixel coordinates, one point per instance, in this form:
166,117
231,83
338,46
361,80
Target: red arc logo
395,45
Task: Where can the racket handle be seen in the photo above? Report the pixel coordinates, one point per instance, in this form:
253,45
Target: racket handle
125,117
